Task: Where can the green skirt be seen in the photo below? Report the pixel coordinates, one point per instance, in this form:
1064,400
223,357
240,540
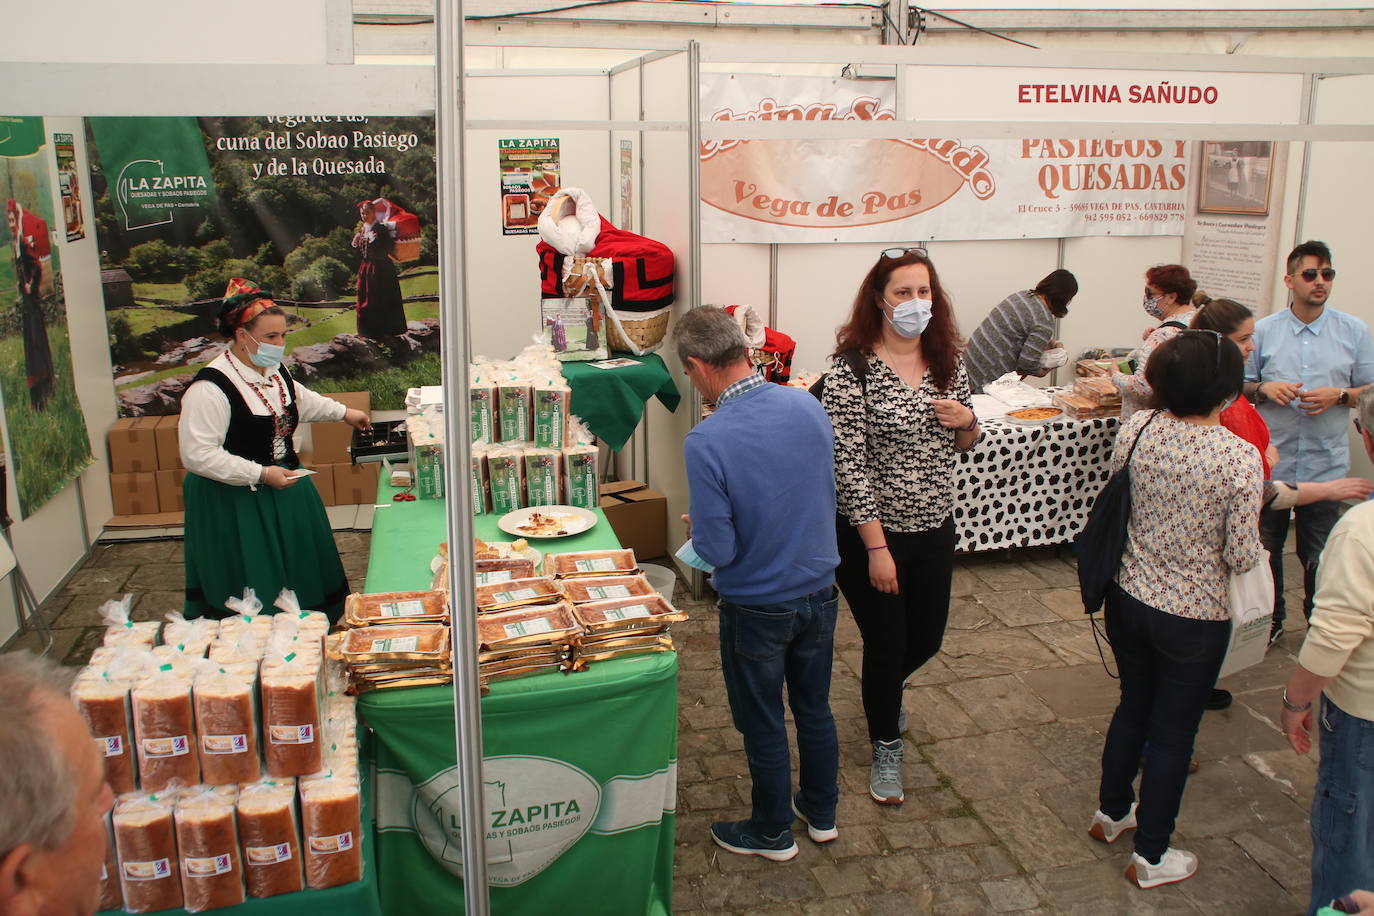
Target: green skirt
263,539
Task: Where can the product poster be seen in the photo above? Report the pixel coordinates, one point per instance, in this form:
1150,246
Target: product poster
1231,244
780,191
69,183
627,190
529,177
334,216
47,431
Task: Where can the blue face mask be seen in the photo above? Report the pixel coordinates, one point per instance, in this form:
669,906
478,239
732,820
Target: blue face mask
267,356
910,318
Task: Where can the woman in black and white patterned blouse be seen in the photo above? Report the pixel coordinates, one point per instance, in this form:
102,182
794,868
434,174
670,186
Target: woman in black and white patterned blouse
896,434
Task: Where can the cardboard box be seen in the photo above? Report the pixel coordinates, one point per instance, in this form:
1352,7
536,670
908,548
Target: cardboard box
169,489
330,441
323,479
168,447
355,484
638,515
134,494
133,446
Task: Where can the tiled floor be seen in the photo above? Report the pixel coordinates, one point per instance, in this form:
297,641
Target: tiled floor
1006,730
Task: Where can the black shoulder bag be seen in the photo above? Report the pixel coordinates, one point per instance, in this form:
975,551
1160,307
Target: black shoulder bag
1104,536
858,364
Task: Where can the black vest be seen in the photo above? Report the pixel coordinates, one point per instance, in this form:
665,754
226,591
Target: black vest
249,435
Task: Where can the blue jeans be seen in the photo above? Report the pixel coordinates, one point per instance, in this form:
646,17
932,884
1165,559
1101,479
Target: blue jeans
1168,666
1315,521
761,648
1343,806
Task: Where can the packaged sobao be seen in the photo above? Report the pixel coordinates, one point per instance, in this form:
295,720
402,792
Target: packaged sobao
331,815
515,399
111,897
121,630
580,486
477,468
482,411
506,473
618,562
207,842
551,415
395,607
583,589
542,481
290,710
145,838
269,834
308,625
103,701
190,637
164,722
226,724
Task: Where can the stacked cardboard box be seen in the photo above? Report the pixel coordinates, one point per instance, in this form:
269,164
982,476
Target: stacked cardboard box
146,473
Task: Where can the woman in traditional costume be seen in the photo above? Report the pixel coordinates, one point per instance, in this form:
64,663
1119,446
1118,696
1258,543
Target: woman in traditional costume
250,520
31,247
381,313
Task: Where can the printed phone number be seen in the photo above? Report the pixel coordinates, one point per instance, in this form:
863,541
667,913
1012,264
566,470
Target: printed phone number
1132,217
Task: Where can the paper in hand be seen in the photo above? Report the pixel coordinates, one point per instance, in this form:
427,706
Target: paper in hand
688,554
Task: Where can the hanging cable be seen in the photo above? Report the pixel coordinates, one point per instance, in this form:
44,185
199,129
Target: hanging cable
971,26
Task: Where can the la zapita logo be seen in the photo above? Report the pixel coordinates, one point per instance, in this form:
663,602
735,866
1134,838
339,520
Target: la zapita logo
147,196
836,183
537,809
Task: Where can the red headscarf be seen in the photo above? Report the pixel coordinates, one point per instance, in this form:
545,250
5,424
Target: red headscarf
254,300
33,230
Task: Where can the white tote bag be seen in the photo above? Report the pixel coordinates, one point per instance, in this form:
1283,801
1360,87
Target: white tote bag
1252,613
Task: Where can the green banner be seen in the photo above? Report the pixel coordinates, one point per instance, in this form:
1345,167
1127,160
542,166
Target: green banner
20,136
580,782
156,168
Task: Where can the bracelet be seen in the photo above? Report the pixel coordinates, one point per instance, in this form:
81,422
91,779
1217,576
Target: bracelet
1290,705
879,547
972,426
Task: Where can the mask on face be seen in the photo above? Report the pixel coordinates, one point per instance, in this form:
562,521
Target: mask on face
267,356
1152,307
910,318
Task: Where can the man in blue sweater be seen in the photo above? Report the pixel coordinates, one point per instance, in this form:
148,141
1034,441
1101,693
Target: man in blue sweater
762,476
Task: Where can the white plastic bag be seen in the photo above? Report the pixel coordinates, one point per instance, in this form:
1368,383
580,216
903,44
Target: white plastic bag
1252,613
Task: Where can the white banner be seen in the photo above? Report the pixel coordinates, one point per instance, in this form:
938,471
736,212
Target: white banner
780,191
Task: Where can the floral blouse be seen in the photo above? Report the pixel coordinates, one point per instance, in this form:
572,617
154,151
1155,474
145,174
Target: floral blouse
1195,500
894,462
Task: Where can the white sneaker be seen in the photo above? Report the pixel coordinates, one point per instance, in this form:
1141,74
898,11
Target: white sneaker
1105,830
1174,866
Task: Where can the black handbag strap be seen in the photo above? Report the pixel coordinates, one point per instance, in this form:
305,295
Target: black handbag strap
1131,453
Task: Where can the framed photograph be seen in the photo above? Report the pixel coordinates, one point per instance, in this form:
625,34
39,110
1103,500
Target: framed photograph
575,327
1235,177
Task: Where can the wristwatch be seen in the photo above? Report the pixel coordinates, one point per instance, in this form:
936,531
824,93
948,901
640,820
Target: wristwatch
1290,705
1345,396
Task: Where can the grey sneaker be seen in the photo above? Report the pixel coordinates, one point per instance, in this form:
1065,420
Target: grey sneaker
885,778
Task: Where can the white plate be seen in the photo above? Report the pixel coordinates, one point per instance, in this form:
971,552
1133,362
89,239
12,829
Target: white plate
576,520
503,547
1020,422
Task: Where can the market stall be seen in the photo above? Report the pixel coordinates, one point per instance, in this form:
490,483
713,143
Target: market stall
579,769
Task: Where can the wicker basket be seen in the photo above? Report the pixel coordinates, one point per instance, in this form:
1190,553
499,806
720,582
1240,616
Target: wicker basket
645,332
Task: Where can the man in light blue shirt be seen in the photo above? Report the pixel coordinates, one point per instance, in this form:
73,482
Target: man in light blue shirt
1310,364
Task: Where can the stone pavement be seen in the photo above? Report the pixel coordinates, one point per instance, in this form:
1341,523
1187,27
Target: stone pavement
1006,728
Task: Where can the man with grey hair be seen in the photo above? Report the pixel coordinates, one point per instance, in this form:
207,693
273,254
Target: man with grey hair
53,795
1336,670
761,470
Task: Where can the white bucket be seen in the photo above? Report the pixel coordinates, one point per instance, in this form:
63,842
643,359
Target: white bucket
661,578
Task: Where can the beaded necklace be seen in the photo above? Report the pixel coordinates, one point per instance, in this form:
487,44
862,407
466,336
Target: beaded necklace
281,422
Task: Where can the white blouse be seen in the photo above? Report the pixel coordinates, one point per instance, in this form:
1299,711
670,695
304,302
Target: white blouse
205,420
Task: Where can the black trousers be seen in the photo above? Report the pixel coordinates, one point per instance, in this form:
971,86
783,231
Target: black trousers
901,632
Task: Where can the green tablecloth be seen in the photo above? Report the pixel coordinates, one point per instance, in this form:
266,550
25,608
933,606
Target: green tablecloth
580,770
357,899
611,401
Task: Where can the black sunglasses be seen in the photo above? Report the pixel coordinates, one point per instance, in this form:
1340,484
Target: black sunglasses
1310,274
1216,334
902,252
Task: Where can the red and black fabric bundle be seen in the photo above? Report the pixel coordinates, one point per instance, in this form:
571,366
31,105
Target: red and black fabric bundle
643,279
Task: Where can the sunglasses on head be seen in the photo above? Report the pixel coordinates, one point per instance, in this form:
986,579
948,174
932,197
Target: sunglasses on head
895,253
1216,334
1328,274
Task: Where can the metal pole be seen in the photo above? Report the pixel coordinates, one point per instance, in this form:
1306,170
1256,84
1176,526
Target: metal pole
694,235
467,707
1309,102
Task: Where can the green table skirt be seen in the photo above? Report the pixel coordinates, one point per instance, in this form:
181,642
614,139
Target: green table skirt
580,770
611,401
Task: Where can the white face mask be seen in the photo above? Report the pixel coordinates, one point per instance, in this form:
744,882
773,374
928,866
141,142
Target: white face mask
909,318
